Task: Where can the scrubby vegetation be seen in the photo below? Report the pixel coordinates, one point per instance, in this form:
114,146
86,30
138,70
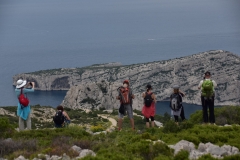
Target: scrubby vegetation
126,144
223,115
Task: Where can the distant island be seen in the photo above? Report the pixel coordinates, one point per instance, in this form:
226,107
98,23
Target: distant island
95,86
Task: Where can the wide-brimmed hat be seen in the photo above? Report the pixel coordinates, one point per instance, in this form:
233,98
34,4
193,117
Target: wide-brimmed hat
21,83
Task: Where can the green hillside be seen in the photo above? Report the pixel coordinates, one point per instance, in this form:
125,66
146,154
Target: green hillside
125,144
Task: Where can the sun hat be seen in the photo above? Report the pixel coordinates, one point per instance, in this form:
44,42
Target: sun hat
21,83
176,87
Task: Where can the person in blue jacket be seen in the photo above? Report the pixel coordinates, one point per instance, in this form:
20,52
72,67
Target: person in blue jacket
24,113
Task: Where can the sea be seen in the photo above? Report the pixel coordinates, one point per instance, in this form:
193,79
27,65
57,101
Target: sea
39,35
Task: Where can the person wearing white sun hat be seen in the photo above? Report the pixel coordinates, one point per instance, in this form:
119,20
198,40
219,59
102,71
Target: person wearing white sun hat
24,111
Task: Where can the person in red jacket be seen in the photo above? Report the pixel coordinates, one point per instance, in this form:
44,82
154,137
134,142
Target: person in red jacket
126,99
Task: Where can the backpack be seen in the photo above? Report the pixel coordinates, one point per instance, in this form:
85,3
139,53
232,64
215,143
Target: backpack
148,99
24,101
175,103
59,117
207,88
125,95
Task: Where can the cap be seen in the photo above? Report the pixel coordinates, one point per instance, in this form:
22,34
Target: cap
176,87
126,81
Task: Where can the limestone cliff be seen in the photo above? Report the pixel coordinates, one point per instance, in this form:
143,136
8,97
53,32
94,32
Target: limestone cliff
185,71
96,95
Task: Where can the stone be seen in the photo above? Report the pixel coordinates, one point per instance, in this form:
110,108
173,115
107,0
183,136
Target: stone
86,152
201,147
8,140
65,157
228,148
235,150
20,158
216,150
183,144
76,148
55,157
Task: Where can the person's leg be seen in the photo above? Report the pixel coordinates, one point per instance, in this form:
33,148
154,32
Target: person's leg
29,122
21,124
211,111
120,120
132,123
205,110
147,122
130,115
182,114
152,121
176,118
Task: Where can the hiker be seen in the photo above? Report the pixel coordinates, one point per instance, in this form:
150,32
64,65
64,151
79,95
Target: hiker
23,108
176,104
148,109
61,118
125,96
207,98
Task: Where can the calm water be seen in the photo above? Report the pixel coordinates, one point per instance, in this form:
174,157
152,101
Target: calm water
37,35
163,107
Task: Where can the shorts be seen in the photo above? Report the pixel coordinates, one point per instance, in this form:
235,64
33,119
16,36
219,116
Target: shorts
128,109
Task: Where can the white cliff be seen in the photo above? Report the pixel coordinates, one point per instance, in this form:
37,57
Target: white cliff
185,71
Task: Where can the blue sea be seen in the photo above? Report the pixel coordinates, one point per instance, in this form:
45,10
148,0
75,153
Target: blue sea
38,35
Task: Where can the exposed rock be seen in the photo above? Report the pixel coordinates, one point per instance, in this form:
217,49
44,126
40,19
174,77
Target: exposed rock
216,150
183,144
65,157
208,148
97,95
202,147
55,157
86,152
76,149
20,158
185,71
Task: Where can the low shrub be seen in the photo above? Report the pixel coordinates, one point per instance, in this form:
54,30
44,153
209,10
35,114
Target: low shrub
182,155
6,129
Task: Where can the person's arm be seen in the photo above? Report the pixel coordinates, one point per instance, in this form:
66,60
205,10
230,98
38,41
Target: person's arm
214,83
66,115
200,84
182,94
143,95
154,98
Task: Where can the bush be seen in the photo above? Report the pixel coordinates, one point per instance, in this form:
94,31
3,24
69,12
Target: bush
223,115
170,127
181,155
207,157
162,149
97,128
6,129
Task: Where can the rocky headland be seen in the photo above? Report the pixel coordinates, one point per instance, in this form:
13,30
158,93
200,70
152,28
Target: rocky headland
95,86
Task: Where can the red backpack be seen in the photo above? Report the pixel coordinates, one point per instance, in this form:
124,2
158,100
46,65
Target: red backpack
125,96
24,101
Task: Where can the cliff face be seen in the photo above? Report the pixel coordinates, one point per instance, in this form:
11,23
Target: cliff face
96,95
185,71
